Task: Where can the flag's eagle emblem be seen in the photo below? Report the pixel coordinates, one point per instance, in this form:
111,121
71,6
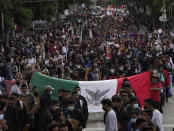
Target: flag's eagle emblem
96,96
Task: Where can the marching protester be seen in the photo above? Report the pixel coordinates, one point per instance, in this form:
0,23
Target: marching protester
157,116
110,118
45,97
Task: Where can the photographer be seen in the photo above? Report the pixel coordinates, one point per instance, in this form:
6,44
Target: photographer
53,114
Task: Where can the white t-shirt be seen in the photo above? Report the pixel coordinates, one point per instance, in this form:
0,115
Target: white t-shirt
31,61
111,121
64,50
37,49
157,119
15,89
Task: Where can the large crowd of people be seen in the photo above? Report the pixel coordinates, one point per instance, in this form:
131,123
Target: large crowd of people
91,45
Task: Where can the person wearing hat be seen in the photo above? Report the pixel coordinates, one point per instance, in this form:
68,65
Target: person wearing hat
155,88
45,97
110,118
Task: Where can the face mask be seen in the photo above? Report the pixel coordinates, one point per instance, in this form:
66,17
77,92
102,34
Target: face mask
145,107
135,106
121,68
60,98
157,54
56,108
51,92
71,108
79,92
103,108
18,83
1,117
154,82
91,51
133,120
112,71
25,94
95,65
155,71
36,94
78,66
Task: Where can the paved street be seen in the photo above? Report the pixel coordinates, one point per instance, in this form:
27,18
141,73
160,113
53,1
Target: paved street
168,115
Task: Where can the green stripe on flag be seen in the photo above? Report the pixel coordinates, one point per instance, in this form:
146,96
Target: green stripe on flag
40,80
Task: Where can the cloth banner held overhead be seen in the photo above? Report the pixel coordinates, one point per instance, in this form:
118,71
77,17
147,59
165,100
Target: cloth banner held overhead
95,91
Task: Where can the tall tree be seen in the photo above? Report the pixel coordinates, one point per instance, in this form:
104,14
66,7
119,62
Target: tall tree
44,10
15,12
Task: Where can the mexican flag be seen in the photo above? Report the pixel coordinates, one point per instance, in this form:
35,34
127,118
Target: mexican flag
95,91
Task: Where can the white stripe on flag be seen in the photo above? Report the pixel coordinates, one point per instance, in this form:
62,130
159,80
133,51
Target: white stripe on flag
95,91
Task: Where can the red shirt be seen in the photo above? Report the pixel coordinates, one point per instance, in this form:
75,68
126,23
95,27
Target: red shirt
110,77
167,79
156,94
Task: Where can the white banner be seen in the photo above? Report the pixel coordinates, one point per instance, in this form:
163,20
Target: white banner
66,12
95,91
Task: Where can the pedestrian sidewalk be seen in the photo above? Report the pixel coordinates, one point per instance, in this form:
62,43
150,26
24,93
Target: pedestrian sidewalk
168,115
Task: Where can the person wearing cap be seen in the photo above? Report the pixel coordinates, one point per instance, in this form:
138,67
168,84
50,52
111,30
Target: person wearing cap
155,88
45,97
110,118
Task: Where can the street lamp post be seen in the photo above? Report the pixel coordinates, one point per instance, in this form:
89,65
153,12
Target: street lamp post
172,4
2,17
163,18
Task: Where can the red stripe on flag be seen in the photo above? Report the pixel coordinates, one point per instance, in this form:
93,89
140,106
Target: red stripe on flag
140,84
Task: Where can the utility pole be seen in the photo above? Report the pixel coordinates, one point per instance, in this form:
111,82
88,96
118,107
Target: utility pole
2,17
172,4
165,11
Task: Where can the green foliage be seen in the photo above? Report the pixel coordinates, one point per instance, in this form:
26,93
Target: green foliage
23,12
156,5
15,12
88,2
63,4
44,10
23,16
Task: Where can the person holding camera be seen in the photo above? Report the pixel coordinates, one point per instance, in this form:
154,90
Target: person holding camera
52,115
